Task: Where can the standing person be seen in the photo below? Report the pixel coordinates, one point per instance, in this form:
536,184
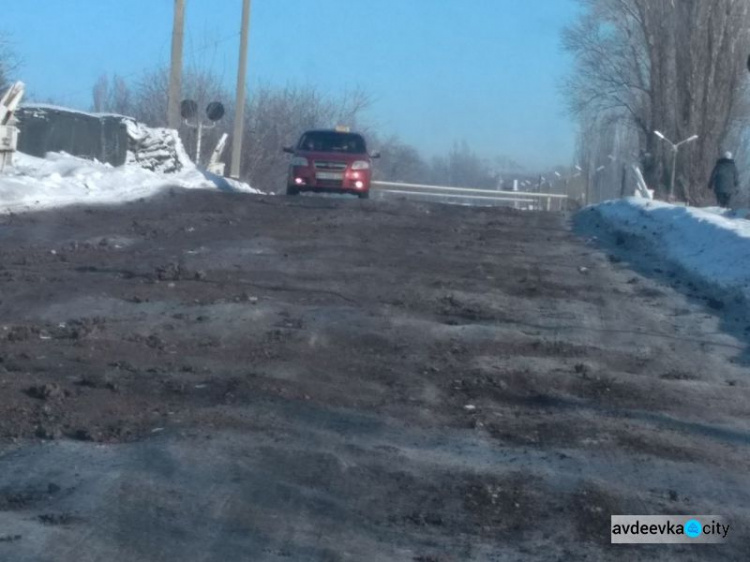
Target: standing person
724,179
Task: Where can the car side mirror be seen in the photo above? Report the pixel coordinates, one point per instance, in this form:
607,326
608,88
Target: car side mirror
288,150
375,155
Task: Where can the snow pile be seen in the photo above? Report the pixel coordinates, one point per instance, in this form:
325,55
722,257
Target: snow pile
60,179
729,213
158,150
712,246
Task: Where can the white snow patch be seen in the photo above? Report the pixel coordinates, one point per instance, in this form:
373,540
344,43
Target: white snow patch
712,245
52,107
156,149
60,179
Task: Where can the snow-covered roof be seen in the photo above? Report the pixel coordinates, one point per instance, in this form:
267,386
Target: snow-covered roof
51,107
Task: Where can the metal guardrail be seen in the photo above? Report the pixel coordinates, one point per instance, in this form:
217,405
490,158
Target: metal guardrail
415,189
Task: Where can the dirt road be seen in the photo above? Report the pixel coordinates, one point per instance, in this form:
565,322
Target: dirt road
218,377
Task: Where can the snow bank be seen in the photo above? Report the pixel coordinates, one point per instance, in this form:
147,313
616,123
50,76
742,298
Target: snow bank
156,149
711,245
60,179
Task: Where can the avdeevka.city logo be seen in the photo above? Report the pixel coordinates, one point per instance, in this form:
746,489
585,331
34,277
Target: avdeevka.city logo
669,529
693,528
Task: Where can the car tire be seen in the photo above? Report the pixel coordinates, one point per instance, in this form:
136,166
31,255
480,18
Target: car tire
291,190
364,195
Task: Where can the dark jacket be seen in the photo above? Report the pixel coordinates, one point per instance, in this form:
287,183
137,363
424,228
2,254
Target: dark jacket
724,178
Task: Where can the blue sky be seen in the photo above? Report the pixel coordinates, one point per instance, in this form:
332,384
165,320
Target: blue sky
440,71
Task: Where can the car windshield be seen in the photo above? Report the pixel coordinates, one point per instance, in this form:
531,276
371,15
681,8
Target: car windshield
329,141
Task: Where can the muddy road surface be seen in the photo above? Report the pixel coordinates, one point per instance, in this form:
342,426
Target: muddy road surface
218,377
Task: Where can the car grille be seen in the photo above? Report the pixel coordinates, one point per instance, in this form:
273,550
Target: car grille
329,183
333,166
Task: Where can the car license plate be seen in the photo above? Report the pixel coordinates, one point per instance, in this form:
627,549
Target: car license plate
334,176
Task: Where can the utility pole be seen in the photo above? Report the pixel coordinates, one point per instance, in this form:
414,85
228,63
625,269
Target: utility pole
175,74
239,111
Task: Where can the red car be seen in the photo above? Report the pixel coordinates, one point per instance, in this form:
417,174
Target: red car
334,161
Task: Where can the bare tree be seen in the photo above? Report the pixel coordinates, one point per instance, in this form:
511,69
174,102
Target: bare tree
709,75
151,95
8,62
120,97
100,94
668,65
462,167
399,161
112,96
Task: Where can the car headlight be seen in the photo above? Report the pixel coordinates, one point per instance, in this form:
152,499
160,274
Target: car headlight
360,165
300,161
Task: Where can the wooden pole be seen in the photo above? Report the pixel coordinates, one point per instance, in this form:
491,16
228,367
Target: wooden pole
175,74
239,112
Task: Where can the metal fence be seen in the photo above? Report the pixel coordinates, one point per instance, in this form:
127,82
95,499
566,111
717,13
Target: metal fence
472,196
